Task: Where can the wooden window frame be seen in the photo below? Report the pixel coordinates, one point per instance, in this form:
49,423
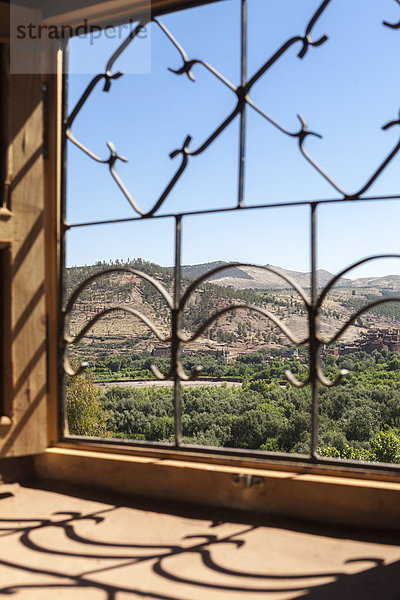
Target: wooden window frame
5,171
347,495
5,334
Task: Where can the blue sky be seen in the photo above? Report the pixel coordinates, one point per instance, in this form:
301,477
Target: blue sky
346,89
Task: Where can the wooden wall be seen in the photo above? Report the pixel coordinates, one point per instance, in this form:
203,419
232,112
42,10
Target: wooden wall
23,422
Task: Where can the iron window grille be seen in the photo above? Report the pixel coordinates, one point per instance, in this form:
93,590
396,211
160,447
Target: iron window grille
177,301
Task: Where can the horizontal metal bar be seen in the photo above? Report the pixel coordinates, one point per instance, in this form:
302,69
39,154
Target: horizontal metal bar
233,209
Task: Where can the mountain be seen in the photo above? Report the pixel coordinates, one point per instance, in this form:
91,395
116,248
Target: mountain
195,271
385,282
236,330
241,278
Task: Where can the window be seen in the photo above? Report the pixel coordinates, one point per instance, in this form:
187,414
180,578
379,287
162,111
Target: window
332,218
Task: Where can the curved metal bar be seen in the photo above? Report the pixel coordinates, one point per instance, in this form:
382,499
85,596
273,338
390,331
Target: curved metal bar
107,76
157,373
307,36
241,93
319,376
111,164
114,156
393,25
266,116
301,135
243,98
82,100
187,69
209,274
369,182
261,311
179,372
327,382
216,133
189,63
209,68
140,274
131,311
68,370
391,124
304,132
337,277
305,41
318,168
272,60
124,45
292,379
184,151
357,315
381,167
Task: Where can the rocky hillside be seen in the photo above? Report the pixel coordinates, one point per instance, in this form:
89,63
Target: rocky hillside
237,330
260,279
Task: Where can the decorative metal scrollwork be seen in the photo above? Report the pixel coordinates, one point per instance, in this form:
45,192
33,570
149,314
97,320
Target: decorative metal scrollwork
244,100
393,25
177,302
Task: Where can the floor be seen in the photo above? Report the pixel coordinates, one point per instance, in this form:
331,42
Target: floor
65,543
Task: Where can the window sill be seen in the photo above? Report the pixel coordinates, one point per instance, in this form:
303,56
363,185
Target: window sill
295,492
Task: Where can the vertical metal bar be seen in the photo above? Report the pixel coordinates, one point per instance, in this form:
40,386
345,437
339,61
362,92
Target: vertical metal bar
63,231
314,343
242,100
314,418
176,328
313,233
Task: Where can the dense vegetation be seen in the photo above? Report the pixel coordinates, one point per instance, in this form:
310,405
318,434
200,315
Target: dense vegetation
376,369
137,365
359,419
390,310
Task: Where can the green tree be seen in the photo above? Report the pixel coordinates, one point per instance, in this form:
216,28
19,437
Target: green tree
386,447
84,410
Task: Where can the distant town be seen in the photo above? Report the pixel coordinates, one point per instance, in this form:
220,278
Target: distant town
374,339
